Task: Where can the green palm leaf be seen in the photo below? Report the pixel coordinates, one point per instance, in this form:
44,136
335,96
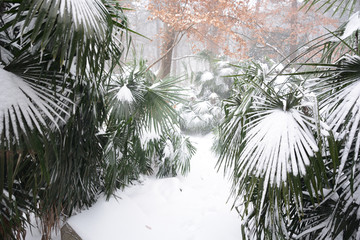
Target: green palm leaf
79,34
335,5
159,112
340,103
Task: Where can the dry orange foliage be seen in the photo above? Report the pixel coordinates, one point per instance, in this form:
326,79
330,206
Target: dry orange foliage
238,27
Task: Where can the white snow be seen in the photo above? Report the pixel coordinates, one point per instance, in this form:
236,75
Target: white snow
352,25
226,72
35,234
222,64
125,95
191,208
273,150
213,96
168,150
202,107
24,103
148,136
206,76
89,14
216,111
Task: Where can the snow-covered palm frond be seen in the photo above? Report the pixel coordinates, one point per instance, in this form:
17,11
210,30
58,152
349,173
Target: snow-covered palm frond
177,151
338,215
341,104
277,147
206,76
124,95
79,34
183,154
278,143
202,107
123,99
268,139
29,104
82,16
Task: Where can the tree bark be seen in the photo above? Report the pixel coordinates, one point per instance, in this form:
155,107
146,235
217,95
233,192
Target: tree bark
167,50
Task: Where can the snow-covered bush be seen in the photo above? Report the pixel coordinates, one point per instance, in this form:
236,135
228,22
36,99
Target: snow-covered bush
170,153
144,129
202,112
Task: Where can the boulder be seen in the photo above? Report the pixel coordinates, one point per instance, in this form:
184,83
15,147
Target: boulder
68,233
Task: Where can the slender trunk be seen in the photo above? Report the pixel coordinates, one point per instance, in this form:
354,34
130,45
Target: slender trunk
211,44
167,48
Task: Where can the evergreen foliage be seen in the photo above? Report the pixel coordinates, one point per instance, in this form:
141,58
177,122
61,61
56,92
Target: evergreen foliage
69,129
291,142
202,112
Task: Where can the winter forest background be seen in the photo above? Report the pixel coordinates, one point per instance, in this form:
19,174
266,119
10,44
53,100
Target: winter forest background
97,95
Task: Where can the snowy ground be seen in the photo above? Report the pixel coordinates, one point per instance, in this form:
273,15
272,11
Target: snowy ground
181,208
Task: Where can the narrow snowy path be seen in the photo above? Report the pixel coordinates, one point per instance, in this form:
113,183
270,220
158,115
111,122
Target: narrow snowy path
181,208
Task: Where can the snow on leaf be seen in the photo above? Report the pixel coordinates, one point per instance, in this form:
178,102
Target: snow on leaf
352,26
343,111
25,104
213,96
216,111
206,76
222,64
202,107
207,117
226,72
125,95
168,150
148,136
87,14
279,143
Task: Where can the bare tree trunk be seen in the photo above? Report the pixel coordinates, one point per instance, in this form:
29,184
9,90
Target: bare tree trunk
211,45
167,50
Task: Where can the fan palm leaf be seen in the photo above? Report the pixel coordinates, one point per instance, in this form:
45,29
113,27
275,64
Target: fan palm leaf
269,138
55,57
338,91
26,103
74,28
277,143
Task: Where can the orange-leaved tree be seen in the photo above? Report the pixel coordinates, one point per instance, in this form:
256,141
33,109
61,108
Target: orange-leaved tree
239,29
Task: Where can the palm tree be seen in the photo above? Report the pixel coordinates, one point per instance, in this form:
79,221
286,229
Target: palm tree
55,56
57,63
291,141
143,127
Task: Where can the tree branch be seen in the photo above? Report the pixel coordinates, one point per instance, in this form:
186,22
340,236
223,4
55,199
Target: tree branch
172,47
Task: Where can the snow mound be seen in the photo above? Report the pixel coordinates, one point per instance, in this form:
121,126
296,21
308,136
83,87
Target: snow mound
202,107
191,208
206,76
226,72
